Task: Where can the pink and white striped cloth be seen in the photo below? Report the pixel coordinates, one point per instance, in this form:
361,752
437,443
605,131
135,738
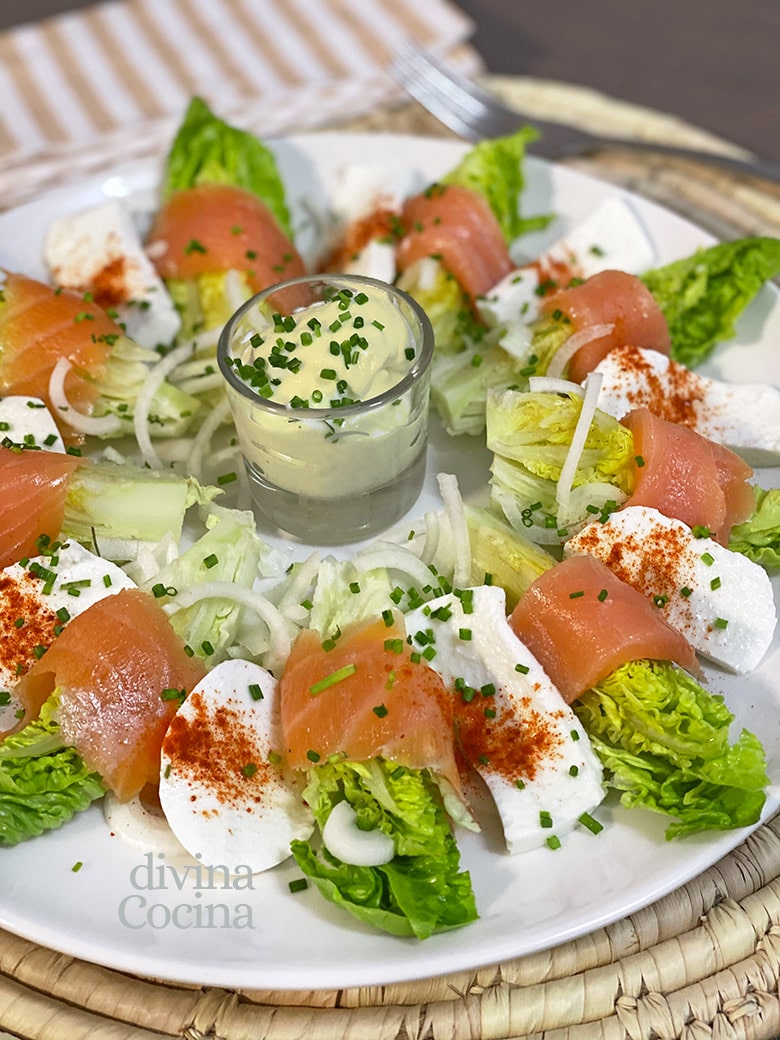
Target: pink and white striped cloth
111,81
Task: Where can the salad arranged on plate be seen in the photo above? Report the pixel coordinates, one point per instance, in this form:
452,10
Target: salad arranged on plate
535,651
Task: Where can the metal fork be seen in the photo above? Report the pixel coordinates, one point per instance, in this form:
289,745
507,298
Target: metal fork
476,114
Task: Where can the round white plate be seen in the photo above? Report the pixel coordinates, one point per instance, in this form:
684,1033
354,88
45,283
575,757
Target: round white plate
139,913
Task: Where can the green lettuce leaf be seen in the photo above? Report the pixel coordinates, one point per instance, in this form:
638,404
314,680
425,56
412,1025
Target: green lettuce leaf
494,169
664,743
511,560
43,784
703,295
207,150
421,890
758,537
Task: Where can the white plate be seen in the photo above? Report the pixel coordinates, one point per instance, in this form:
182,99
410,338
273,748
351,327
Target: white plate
277,940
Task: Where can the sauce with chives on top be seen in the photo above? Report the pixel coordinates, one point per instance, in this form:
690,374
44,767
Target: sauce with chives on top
348,349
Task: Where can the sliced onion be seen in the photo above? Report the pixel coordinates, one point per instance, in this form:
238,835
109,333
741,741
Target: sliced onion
427,272
432,537
592,389
299,584
565,353
392,558
547,385
99,426
342,837
202,439
154,380
456,514
281,630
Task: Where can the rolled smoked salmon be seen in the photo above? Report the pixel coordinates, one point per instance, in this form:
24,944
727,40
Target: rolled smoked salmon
688,477
458,226
385,705
120,670
581,622
220,227
615,298
33,488
38,326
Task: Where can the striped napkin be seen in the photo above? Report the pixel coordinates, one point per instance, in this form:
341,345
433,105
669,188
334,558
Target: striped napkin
111,81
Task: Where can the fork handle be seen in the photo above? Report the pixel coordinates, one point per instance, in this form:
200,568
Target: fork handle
755,167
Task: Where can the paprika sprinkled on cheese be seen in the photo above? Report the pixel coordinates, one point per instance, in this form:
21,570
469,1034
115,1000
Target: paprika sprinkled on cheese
213,746
25,622
513,744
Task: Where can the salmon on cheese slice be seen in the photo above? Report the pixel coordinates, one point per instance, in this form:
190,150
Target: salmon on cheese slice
581,622
33,489
613,298
366,697
688,477
121,672
457,226
40,325
220,227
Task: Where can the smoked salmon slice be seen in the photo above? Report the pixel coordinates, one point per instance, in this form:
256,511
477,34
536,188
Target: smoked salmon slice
581,622
365,698
38,326
688,477
121,672
33,489
456,225
220,227
615,298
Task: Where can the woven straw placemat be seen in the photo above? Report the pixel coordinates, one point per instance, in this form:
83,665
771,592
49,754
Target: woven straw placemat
703,962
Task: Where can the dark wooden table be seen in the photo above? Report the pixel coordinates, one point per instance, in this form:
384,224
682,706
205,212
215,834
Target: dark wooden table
712,62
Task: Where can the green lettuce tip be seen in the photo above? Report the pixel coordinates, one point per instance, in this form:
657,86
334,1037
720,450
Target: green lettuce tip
207,150
43,783
422,890
702,295
664,743
494,169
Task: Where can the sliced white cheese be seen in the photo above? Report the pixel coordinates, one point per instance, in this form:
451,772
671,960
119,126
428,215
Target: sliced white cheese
743,416
101,247
225,799
611,238
375,260
360,189
561,775
39,598
720,600
27,420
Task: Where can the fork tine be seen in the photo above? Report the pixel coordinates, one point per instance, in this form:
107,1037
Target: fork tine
454,99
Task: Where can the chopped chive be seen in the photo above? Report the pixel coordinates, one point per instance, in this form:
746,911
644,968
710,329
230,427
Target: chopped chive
553,842
249,769
255,692
590,824
380,711
331,680
298,885
545,819
720,623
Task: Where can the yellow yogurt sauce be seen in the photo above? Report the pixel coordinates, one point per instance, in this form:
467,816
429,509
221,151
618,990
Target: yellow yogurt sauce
319,417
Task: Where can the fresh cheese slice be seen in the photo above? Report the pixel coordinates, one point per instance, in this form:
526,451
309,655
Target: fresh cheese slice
37,600
719,600
363,190
611,238
224,796
99,250
744,417
533,755
27,420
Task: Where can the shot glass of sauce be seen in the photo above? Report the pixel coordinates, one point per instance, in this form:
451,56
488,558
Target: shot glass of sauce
328,379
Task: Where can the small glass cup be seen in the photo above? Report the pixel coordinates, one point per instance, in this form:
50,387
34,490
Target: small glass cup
328,473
